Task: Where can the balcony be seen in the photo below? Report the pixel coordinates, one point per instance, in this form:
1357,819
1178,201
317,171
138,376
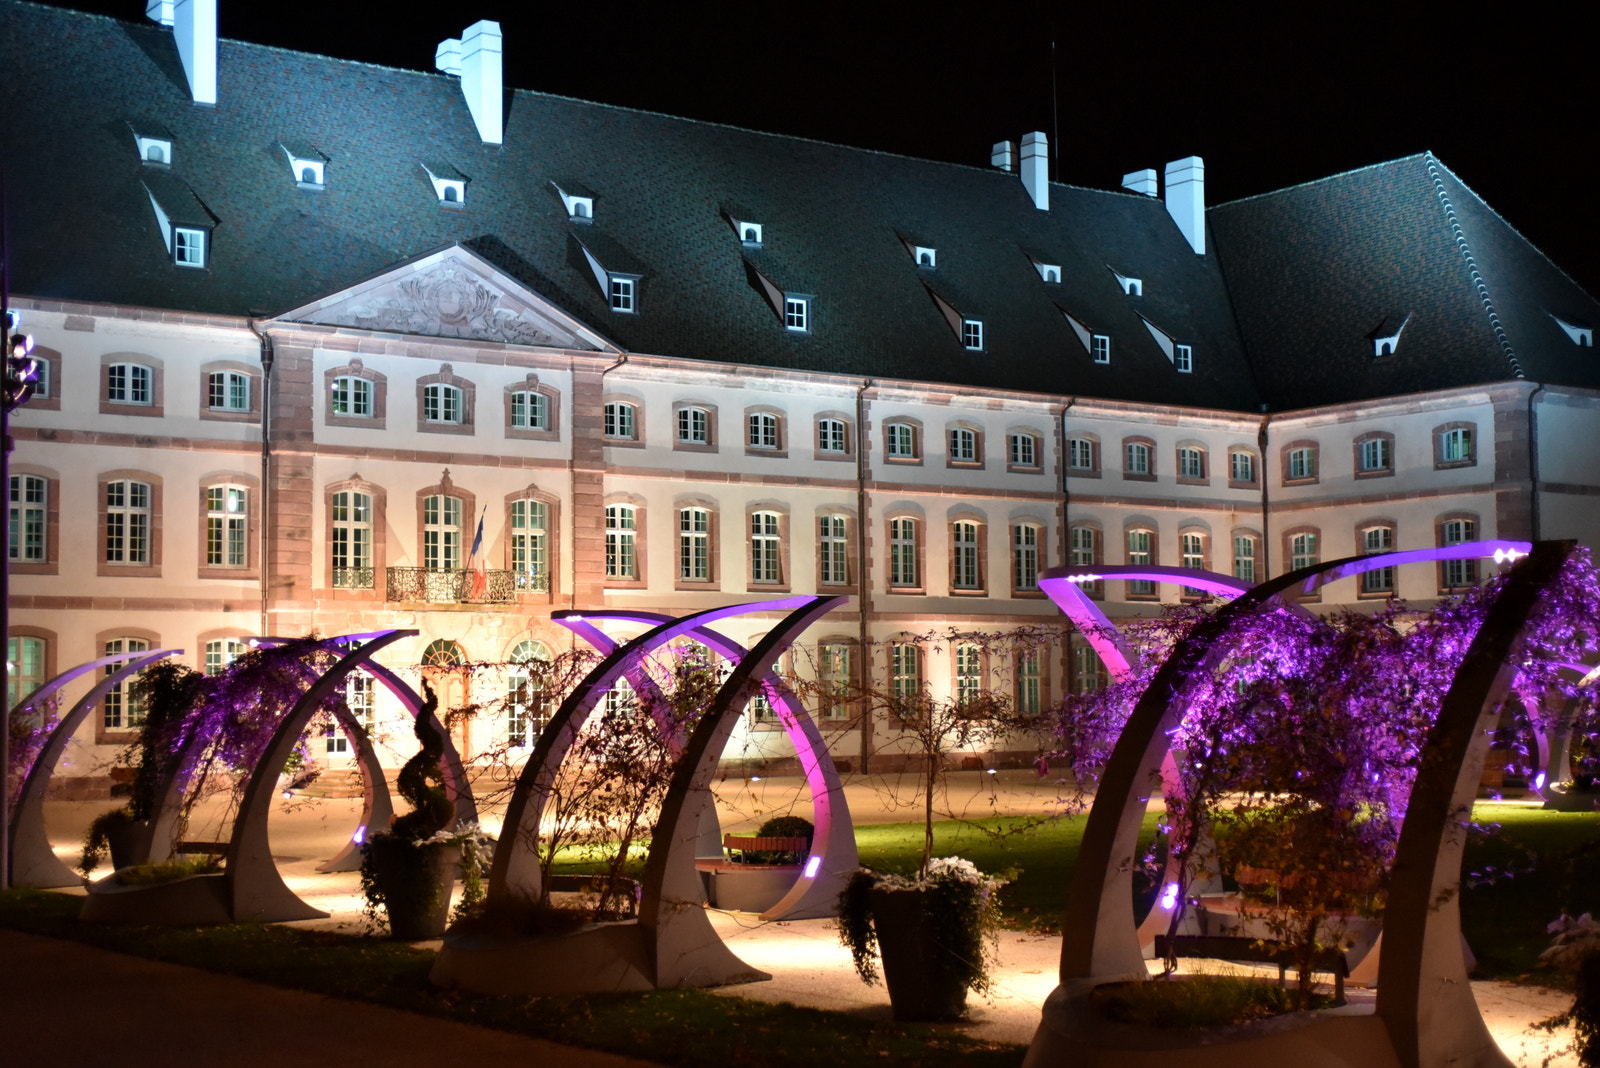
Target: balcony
427,586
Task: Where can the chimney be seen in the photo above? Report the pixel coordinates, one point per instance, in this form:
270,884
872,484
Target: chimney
1002,155
1141,182
475,58
194,29
1186,200
1036,168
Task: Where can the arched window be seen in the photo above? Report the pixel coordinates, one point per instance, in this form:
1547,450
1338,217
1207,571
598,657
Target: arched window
525,696
443,653
441,403
221,653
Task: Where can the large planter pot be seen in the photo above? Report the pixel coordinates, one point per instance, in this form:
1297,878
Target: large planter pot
415,882
923,963
128,843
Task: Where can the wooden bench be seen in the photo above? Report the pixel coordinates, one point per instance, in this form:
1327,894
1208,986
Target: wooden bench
1257,951
623,889
741,844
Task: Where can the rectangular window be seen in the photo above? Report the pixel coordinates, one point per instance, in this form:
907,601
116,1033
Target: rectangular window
694,426
764,545
1081,454
1030,683
1024,557
28,515
188,247
621,294
694,544
1455,446
1377,540
760,708
352,540
902,441
965,573
763,430
441,403
1100,346
620,421
1244,558
1302,464
1191,463
1083,546
352,397
1302,551
441,533
1183,358
832,565
905,672
121,709
1138,458
1375,455
529,410
963,445
902,552
830,435
127,522
837,678
969,673
1192,549
972,334
1140,555
128,383
1241,467
360,695
221,653
1459,573
229,391
529,546
797,314
226,526
1088,673
1022,450
26,658
620,533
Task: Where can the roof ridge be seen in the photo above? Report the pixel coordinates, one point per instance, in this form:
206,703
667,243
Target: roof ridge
1479,284
1319,181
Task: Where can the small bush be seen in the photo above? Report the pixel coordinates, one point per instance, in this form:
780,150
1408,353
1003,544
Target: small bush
782,827
170,871
1194,1001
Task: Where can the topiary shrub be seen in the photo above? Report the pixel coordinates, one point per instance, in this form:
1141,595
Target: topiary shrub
783,827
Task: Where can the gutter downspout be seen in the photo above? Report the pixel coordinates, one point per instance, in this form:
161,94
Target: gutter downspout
1266,521
268,356
863,587
1533,468
1066,526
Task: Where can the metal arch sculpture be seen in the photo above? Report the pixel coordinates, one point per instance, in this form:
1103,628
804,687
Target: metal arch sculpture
249,888
833,852
32,861
1425,1013
672,943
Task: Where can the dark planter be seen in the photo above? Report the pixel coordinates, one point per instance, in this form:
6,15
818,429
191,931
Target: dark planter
926,976
415,882
128,843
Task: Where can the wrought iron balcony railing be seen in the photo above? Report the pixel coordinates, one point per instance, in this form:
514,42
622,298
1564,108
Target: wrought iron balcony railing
453,586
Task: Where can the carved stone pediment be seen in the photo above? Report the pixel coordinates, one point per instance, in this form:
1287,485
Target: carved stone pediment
451,293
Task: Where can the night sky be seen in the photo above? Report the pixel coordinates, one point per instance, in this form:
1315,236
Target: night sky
1268,97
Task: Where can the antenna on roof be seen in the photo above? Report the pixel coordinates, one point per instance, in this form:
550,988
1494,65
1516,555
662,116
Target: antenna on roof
1055,114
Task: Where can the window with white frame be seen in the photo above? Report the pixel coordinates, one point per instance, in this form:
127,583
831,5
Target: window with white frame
122,709
1458,573
1080,454
441,403
1244,558
765,563
1192,556
361,697
529,544
1085,546
530,410
26,659
1022,450
797,314
129,383
525,698
441,532
760,708
1141,554
188,247
1024,557
963,445
972,334
1183,358
352,397
227,526
222,652
694,426
622,293
965,574
1302,550
128,522
1088,673
1300,463
1138,458
620,421
621,531
1375,455
1030,682
1191,462
228,391
352,540
29,514
1455,445
1377,539
763,430
902,441
621,704
969,672
1100,347
836,676
831,436
694,544
1241,466
902,552
905,672
833,559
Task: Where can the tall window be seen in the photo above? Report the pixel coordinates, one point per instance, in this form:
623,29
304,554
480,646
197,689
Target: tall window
1459,573
229,391
836,673
1455,445
1088,673
760,708
530,410
1024,557
361,695
1241,467
441,403
221,653
529,545
352,540
1378,539
352,397
963,445
764,545
902,441
965,572
1192,549
832,565
227,525
441,533
763,430
1191,462
1140,554
122,710
127,522
1100,346
128,383
619,421
1022,450
1030,682
525,698
694,544
1301,464
1084,551
969,672
902,552
25,668
1375,455
1080,454
29,502
1138,458
1183,358
694,426
1244,558
905,671
620,534
831,435
1302,551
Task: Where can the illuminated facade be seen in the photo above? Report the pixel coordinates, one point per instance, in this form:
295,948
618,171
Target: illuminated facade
305,339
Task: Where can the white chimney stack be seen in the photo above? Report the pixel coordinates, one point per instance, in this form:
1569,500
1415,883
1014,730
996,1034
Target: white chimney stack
1036,168
1141,182
475,58
1186,200
1003,155
194,29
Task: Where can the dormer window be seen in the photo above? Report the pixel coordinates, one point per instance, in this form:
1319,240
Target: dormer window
622,293
1133,287
925,257
449,184
185,222
749,233
797,313
1100,348
580,206
308,166
1384,341
153,141
1183,358
188,247
972,334
1049,273
1580,335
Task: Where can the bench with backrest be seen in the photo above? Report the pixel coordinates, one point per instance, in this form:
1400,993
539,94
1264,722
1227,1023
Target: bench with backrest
1257,951
738,848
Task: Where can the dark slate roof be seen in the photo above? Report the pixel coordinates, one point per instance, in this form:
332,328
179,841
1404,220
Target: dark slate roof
1317,270
82,227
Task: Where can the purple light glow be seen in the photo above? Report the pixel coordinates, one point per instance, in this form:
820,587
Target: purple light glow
811,867
360,835
1169,897
1538,781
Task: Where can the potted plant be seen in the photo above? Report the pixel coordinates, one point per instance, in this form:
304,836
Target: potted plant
407,871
